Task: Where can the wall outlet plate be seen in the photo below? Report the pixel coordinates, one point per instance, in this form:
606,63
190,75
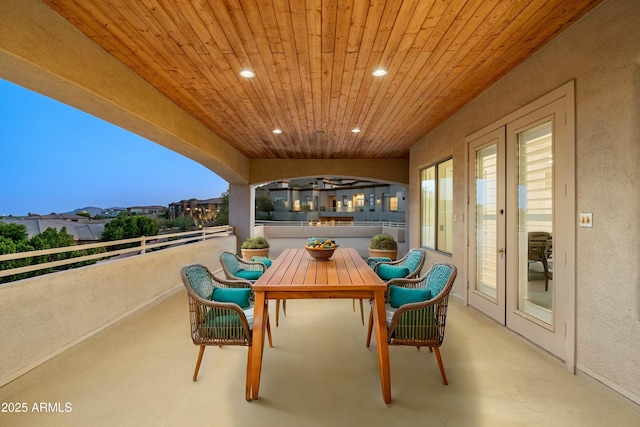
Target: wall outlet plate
586,219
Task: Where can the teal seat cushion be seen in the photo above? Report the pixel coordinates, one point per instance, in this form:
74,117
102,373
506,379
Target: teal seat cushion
248,274
263,259
387,272
231,320
417,324
399,296
227,322
238,296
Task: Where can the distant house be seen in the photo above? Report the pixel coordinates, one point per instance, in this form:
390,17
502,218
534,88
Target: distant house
83,230
55,216
146,210
339,196
112,212
202,211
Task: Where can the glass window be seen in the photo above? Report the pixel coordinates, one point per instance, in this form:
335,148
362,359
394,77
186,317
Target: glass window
393,204
436,206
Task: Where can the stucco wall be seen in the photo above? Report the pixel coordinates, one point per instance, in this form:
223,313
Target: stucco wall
358,237
602,54
42,316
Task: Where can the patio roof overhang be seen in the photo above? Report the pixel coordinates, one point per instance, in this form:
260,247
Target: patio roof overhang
170,74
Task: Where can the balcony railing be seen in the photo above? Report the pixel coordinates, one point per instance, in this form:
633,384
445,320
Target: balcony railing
112,249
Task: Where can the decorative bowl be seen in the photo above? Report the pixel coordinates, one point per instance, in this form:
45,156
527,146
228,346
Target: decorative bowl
320,254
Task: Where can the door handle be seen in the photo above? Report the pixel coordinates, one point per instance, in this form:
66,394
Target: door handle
502,251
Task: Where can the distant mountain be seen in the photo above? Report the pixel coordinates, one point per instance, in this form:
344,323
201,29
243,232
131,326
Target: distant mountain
93,211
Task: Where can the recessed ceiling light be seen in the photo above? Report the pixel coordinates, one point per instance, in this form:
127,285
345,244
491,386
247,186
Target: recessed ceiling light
356,130
379,72
247,73
277,131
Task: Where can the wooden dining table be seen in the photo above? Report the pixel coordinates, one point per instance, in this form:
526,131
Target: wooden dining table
296,275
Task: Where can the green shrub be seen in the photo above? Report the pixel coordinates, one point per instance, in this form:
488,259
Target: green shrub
384,242
255,243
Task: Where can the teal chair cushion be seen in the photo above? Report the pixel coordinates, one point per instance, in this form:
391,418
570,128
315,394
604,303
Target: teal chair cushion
248,274
263,259
238,296
399,296
413,260
387,272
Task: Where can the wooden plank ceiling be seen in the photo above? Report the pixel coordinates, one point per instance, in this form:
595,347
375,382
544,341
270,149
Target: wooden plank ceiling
313,61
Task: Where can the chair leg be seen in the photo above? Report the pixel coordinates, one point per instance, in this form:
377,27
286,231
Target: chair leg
440,365
247,392
200,353
361,312
370,327
269,331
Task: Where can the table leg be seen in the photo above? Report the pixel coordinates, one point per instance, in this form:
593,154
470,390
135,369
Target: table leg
259,326
380,325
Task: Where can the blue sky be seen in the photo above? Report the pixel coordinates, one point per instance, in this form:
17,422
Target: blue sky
54,158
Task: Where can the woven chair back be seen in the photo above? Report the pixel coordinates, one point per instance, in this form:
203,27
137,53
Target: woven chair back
230,262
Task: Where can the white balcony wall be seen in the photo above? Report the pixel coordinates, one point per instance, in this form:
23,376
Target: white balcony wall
43,316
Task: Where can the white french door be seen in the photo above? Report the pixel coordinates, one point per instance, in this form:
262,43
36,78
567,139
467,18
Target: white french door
521,226
487,224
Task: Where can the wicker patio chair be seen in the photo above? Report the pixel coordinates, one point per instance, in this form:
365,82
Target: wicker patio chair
408,266
235,267
420,323
216,322
539,250
413,261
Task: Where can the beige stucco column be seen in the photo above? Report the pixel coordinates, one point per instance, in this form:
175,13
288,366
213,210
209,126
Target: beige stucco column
242,211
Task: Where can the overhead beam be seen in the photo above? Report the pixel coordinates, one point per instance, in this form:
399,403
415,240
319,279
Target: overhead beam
391,170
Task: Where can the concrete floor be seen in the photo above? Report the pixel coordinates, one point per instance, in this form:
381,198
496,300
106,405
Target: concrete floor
319,373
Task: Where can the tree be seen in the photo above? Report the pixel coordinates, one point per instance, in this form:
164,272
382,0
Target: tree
183,222
223,214
13,232
52,238
13,239
128,226
263,201
9,246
